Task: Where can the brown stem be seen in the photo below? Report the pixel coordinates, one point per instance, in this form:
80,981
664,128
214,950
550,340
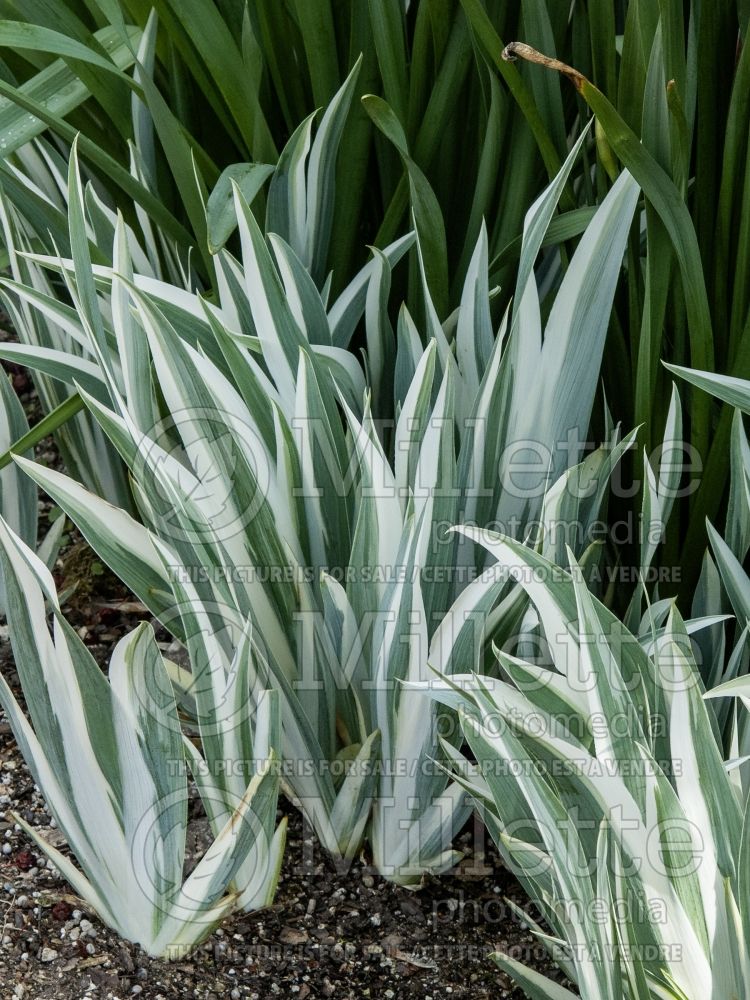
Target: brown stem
520,50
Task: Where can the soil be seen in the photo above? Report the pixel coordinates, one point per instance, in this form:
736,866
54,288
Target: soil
333,931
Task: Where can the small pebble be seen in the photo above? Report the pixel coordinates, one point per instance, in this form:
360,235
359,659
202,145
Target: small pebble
48,954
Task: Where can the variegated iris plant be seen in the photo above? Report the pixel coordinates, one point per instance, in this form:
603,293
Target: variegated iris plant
599,770
34,218
724,585
282,518
112,762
